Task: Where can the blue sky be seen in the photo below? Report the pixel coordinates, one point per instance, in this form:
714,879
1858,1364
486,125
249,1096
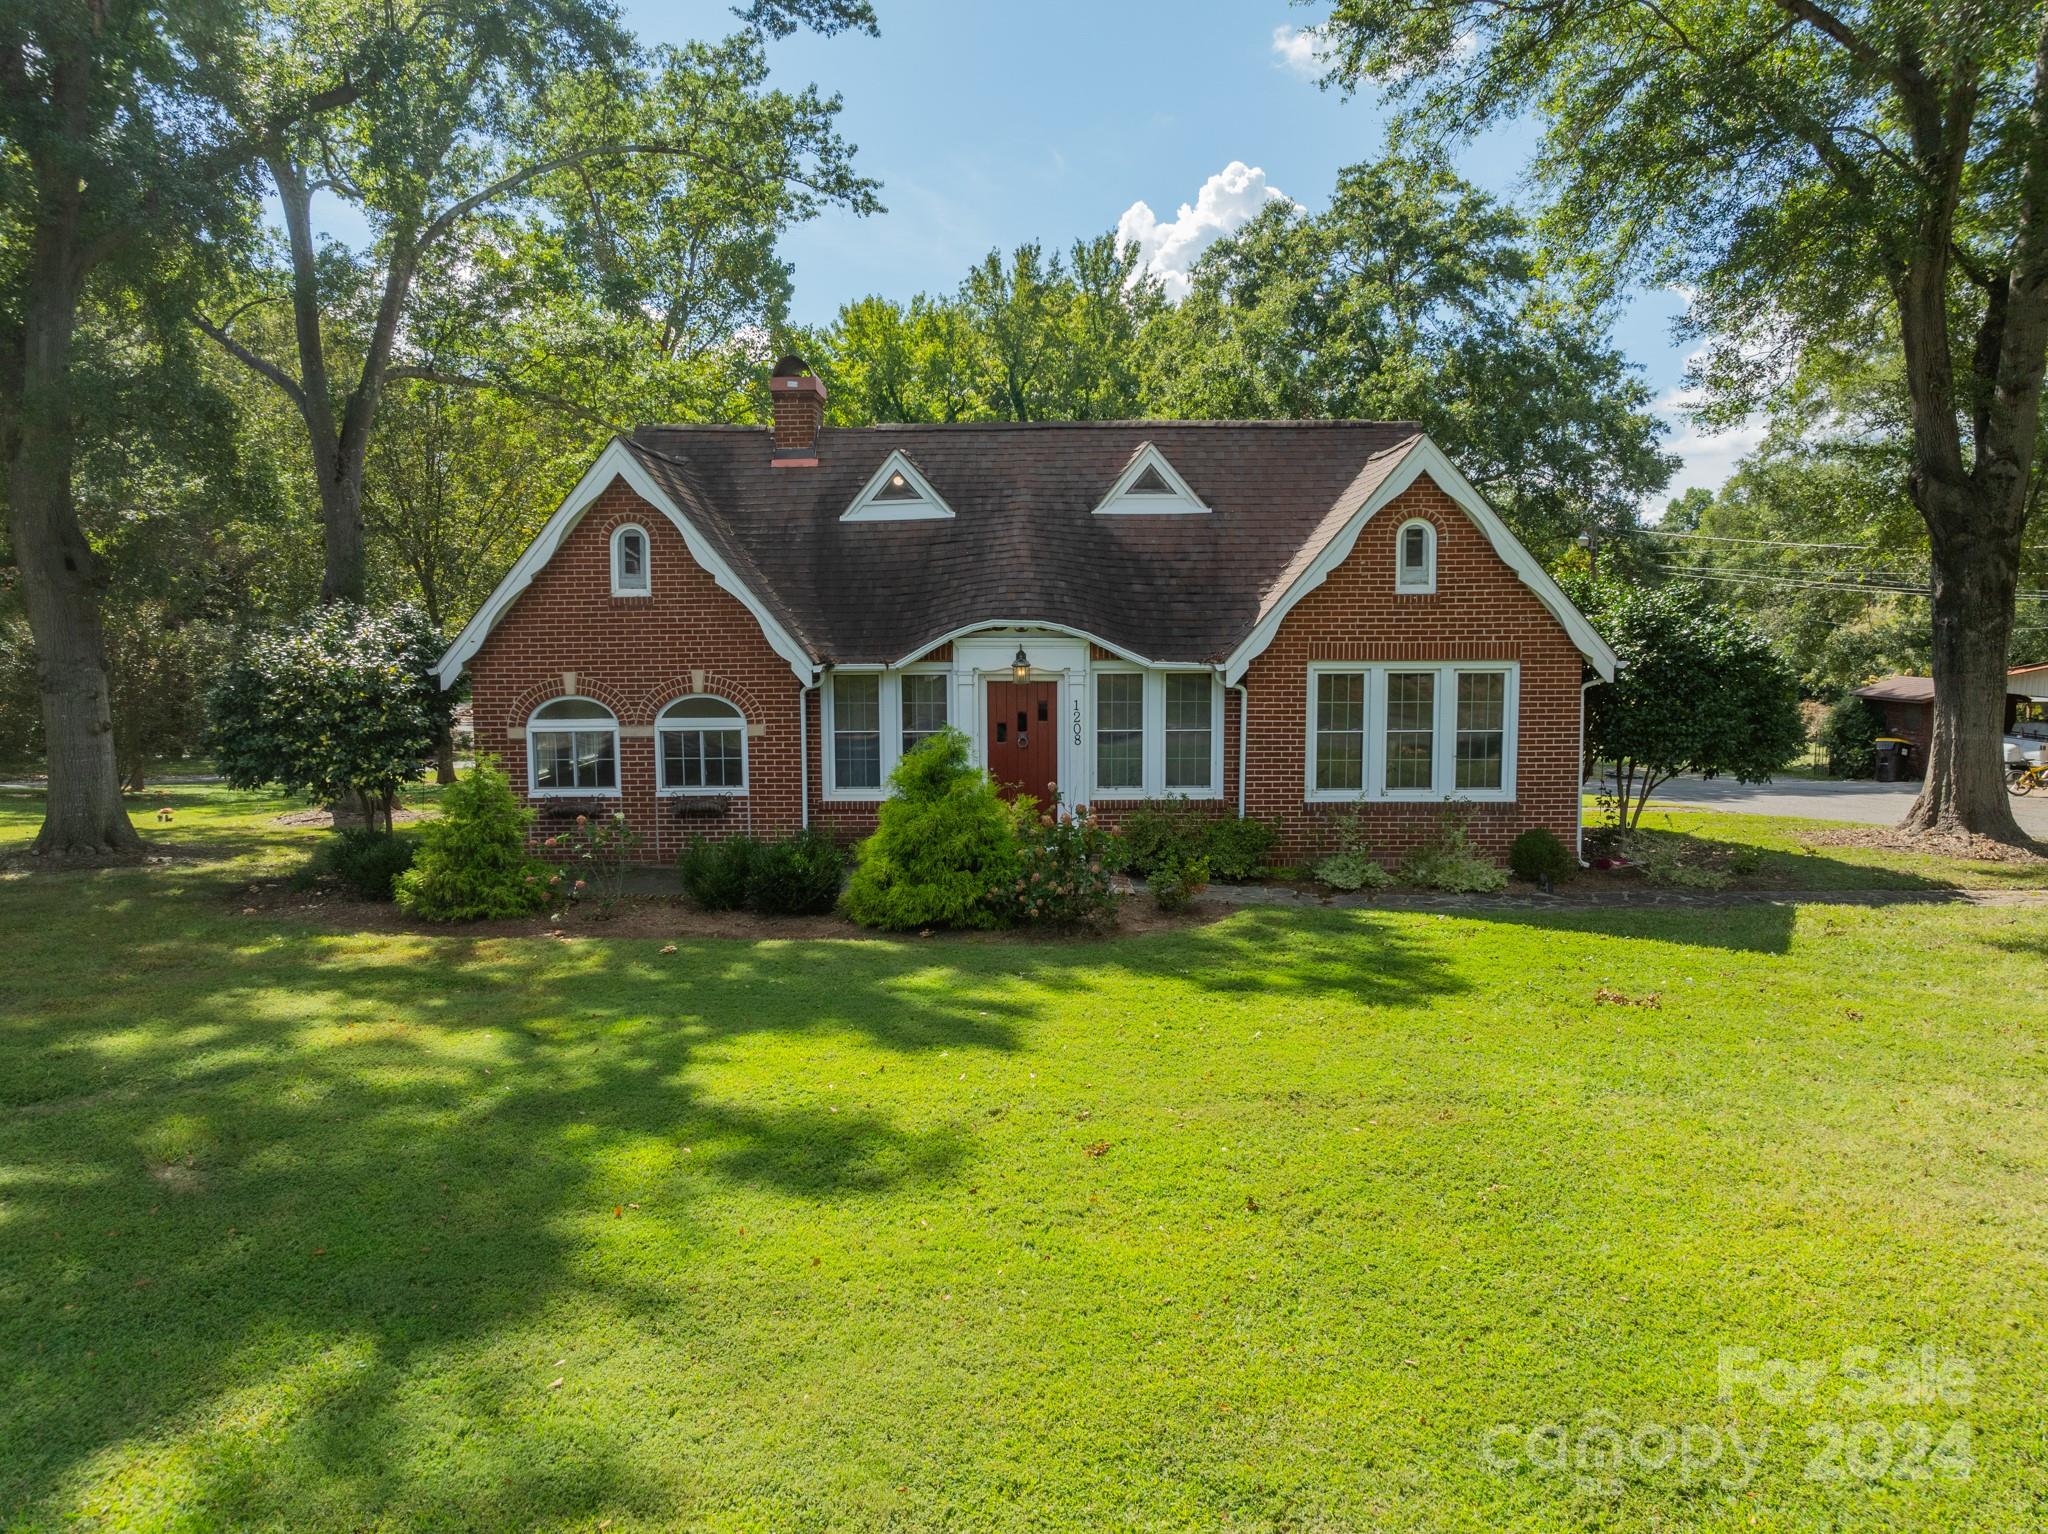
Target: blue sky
989,124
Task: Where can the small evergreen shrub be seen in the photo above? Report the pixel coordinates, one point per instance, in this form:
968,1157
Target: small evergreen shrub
716,874
796,877
1352,866
943,842
1237,849
1537,855
1175,884
472,863
368,862
1062,878
1449,863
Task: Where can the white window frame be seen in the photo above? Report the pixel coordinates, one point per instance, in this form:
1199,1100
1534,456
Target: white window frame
1153,785
736,722
866,508
1444,743
891,694
646,586
1426,586
533,788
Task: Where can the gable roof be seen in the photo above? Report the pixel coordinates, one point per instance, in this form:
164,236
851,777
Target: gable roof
1286,501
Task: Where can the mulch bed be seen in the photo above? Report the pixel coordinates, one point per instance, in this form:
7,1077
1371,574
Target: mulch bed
664,916
1953,844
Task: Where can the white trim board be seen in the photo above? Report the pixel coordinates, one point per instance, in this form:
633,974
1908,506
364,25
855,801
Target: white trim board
1121,503
1426,457
865,508
615,462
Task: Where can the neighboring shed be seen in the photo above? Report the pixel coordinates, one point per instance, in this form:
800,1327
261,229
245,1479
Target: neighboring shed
1907,704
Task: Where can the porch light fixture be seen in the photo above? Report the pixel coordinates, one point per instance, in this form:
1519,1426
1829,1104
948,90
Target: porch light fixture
1020,668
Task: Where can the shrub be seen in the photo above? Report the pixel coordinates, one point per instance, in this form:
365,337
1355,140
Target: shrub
1850,733
1236,848
1664,860
1352,866
598,852
342,703
1449,863
367,861
473,863
796,877
1537,855
1156,833
1175,884
943,842
716,874
1062,877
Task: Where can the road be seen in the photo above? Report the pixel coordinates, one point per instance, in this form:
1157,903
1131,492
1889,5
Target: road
1873,804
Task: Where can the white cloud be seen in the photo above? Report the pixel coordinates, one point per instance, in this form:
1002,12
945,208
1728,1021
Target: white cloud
1228,201
1299,50
1706,459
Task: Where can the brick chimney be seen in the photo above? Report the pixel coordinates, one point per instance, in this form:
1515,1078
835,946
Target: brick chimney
799,401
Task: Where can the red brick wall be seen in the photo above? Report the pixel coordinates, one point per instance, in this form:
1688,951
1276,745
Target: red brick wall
636,655
1479,611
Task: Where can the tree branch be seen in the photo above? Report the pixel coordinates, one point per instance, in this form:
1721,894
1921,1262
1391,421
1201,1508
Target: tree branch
420,373
252,360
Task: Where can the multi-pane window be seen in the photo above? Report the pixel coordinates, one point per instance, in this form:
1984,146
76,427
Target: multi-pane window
1340,732
702,744
1190,730
1120,730
629,562
1442,731
1411,730
572,746
1482,728
856,730
924,706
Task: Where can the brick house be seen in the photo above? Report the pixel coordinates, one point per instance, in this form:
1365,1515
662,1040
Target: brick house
729,629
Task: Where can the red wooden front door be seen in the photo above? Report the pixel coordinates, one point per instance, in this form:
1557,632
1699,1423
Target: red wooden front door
1022,743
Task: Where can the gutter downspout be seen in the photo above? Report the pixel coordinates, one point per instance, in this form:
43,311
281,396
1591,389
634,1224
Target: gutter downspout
1244,705
1579,790
803,736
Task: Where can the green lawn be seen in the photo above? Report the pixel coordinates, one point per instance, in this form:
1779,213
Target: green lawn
1811,855
1303,1221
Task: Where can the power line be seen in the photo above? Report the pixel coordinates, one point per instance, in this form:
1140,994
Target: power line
1787,543
1872,588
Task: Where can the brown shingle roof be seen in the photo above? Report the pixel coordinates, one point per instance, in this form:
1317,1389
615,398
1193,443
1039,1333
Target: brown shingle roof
1024,544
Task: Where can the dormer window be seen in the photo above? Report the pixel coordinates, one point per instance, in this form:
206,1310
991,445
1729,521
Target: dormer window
897,493
629,561
1149,486
1415,558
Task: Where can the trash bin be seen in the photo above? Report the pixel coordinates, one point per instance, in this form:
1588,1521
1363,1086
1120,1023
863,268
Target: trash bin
1892,754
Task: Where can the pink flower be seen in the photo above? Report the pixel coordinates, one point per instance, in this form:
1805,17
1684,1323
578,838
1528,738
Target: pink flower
582,820
549,842
580,884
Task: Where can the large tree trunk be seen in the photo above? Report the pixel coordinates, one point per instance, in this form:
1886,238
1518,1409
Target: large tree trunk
83,814
346,575
1975,574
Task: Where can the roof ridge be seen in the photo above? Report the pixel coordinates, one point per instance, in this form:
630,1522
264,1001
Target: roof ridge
1315,423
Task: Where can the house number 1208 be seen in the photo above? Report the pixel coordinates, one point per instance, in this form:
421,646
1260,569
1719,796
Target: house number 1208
1077,721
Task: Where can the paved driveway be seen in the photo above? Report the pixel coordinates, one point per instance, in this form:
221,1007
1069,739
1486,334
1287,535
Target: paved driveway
1877,804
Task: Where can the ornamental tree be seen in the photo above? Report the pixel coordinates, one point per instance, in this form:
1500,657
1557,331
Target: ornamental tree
340,705
1699,690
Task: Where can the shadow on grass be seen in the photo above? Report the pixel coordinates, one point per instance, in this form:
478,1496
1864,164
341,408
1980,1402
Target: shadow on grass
248,1170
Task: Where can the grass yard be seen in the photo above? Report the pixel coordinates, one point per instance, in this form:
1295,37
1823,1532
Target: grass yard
1306,1220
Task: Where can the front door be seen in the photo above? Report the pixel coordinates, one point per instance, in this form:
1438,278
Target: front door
1022,744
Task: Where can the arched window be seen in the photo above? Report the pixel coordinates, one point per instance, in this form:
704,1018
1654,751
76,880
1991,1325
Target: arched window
629,561
572,747
702,744
1415,557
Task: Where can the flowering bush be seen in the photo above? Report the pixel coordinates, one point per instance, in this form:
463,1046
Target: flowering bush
598,852
1062,878
473,863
